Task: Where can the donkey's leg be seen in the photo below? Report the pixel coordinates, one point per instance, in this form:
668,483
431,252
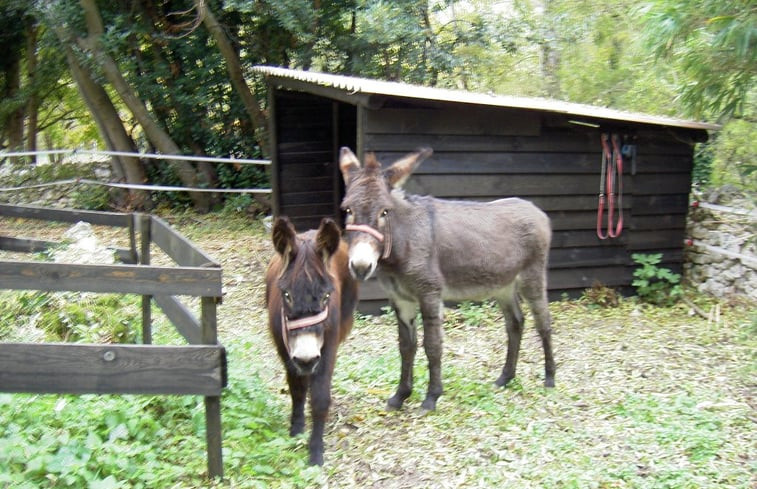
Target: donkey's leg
298,390
320,401
514,326
534,289
406,312
431,311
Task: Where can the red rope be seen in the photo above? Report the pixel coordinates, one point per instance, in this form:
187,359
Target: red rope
611,176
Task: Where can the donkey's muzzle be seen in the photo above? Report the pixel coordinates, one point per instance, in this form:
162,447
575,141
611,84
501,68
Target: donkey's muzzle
361,271
306,365
363,259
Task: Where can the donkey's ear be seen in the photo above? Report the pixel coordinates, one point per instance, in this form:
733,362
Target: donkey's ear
348,164
400,171
284,238
327,239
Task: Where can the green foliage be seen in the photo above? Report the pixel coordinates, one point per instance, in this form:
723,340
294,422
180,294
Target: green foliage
147,442
735,152
713,43
654,284
584,51
66,316
701,173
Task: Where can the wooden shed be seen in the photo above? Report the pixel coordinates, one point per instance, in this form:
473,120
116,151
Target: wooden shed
487,147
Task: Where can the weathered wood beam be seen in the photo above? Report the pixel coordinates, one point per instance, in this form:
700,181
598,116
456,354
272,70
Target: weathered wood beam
65,215
182,318
126,279
112,369
179,248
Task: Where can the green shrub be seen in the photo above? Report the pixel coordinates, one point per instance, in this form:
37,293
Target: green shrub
654,284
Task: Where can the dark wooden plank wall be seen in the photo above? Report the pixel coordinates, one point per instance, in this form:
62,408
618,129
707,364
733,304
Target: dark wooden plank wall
555,165
305,157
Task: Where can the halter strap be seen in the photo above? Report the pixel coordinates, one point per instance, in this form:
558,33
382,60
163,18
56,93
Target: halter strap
364,228
306,321
381,237
287,325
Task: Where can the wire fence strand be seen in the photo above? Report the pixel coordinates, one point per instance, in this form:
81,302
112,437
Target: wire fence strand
136,186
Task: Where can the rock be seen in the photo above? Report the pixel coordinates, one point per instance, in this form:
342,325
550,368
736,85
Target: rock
84,247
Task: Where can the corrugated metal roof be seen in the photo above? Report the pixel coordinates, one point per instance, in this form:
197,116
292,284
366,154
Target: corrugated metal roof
355,85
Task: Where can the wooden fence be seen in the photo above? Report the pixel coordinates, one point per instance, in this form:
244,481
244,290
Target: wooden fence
198,368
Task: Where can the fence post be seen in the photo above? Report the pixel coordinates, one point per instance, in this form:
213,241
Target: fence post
144,259
212,403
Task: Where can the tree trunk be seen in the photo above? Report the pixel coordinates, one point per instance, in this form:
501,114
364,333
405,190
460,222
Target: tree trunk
550,53
112,131
234,68
32,105
15,120
156,134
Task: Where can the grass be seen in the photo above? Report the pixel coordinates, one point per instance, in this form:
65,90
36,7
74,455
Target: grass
646,397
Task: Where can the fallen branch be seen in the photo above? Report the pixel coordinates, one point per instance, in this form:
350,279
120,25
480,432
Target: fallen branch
696,309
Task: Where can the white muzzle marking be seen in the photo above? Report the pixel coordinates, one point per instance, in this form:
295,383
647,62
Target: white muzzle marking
305,347
363,260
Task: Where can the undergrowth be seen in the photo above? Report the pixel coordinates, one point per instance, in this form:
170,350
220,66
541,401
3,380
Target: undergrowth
655,284
65,316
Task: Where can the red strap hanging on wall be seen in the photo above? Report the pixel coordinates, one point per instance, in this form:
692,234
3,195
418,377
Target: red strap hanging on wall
611,180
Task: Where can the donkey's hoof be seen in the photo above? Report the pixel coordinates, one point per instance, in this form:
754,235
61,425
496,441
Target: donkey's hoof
428,405
394,403
315,459
503,380
549,382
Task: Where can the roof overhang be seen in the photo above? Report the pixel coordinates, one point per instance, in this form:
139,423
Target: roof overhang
369,93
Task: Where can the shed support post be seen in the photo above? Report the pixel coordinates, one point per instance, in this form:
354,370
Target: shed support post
144,259
212,403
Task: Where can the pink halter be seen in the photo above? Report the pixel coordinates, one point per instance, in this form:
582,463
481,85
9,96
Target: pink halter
386,239
287,325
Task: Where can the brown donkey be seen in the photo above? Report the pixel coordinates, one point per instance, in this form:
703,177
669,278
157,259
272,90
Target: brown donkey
310,297
426,250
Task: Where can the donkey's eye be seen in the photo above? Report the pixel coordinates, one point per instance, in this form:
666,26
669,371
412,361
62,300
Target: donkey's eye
384,213
326,297
287,296
348,211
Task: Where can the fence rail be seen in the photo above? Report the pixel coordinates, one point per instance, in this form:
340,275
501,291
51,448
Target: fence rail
195,369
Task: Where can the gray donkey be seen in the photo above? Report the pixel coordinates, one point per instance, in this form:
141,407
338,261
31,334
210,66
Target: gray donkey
426,250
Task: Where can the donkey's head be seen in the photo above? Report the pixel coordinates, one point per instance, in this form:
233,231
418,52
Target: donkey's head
305,286
368,205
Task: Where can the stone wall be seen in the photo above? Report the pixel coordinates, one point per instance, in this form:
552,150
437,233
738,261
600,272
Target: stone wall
721,258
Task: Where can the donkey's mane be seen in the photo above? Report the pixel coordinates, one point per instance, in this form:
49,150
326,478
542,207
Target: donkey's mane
307,262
